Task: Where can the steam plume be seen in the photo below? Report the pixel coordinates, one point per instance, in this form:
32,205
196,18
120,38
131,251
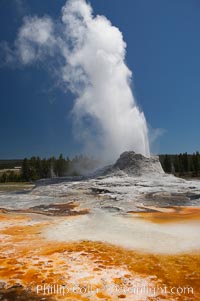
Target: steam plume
92,65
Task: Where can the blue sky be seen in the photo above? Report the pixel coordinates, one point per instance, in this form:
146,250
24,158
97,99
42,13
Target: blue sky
163,51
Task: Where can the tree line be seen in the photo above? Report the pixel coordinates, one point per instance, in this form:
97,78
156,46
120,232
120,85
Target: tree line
183,164
36,168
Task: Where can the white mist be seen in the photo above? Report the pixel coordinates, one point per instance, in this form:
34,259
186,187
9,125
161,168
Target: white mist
89,59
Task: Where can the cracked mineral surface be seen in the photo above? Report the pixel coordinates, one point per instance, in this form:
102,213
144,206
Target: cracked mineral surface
128,232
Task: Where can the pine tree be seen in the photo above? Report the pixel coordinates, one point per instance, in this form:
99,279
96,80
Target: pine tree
185,162
25,170
167,164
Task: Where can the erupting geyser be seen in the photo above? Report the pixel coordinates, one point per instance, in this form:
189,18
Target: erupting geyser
89,57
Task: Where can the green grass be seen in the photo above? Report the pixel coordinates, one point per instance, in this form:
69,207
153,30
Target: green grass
15,186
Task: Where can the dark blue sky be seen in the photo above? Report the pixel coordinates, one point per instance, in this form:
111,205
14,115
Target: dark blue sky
163,51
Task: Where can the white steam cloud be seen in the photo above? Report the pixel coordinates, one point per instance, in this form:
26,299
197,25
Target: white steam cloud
90,58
